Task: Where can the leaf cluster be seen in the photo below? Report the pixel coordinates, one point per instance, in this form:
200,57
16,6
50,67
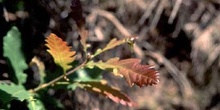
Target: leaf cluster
86,75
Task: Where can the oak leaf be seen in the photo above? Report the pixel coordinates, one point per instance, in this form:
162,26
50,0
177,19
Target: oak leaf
12,50
60,51
111,92
131,69
114,43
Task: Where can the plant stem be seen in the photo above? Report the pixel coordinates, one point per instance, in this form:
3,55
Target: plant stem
58,78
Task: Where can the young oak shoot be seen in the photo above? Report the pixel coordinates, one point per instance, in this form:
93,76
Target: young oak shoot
131,69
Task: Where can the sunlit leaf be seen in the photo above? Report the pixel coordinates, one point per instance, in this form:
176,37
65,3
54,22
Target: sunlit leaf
11,91
111,92
131,69
114,43
12,50
60,51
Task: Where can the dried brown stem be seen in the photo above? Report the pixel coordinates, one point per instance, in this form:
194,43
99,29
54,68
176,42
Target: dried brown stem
174,11
158,14
177,75
148,12
120,27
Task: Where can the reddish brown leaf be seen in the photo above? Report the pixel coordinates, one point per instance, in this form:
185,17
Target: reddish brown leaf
131,69
105,90
136,73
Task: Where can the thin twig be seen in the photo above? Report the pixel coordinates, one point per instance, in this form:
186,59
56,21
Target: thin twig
59,78
177,75
148,12
6,14
158,14
179,25
212,57
199,11
174,11
114,20
120,27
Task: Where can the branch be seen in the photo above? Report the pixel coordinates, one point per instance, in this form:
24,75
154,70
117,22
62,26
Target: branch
158,14
174,11
58,78
178,76
148,12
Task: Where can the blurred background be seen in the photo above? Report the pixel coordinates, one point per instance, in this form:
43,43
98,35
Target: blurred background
180,37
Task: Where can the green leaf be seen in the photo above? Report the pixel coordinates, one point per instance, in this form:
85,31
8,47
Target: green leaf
85,74
49,102
35,104
12,50
11,91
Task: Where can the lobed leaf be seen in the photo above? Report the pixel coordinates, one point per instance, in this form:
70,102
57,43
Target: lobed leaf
105,90
12,50
11,91
60,51
131,69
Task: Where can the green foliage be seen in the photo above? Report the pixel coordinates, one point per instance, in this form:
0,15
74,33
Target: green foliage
35,104
11,91
86,75
12,50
